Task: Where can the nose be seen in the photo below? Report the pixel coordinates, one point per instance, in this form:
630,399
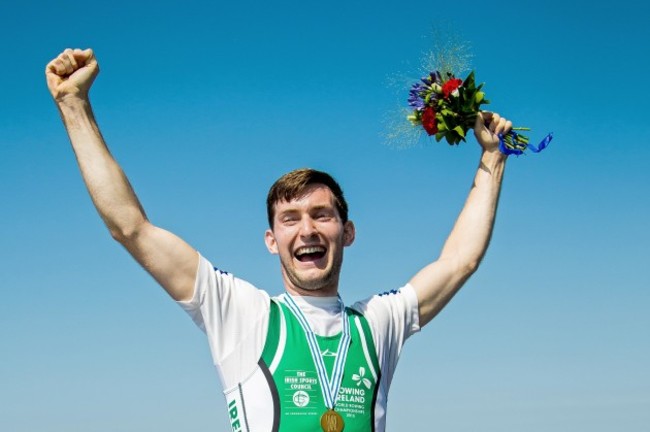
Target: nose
307,227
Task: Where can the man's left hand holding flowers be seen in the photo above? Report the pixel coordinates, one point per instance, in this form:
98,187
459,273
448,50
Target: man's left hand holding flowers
487,128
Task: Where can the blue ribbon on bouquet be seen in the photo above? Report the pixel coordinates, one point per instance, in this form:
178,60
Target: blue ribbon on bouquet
535,149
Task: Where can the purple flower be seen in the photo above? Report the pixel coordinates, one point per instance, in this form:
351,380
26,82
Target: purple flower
434,77
419,91
415,96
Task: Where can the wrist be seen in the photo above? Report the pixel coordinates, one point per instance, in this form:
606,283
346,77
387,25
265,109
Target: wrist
76,112
72,101
493,161
494,156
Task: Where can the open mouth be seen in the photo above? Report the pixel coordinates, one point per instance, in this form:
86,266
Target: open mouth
310,253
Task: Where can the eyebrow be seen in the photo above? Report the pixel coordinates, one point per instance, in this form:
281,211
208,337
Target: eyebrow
314,208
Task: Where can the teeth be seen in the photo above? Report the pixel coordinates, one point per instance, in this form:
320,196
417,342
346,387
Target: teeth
309,250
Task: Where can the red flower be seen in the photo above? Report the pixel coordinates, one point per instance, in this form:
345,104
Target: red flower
451,85
429,120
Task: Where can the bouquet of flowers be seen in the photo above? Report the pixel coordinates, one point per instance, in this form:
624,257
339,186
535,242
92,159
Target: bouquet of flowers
446,107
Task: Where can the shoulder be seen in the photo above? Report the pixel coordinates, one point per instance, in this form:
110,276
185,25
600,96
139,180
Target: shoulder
392,315
389,302
218,293
212,277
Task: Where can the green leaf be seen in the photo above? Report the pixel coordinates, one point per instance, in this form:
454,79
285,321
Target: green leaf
459,130
469,81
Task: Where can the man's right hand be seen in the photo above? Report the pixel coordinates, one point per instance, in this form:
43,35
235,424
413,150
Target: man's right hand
71,74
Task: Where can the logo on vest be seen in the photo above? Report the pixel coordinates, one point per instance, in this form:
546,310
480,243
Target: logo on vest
235,423
300,399
356,400
361,379
328,353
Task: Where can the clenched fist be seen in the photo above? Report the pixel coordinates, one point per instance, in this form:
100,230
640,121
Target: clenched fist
487,129
71,74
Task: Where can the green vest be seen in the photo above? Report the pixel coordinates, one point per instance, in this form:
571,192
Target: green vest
297,397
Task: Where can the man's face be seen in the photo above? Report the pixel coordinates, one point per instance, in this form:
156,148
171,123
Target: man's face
309,237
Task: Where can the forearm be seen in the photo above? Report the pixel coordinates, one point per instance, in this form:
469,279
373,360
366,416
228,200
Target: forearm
109,188
438,282
471,234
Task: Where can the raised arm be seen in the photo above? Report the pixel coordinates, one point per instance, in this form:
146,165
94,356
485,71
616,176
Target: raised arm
437,283
170,260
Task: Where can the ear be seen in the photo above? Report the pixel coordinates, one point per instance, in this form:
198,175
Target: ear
349,233
271,244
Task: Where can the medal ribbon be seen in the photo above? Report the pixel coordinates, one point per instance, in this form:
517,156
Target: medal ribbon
329,386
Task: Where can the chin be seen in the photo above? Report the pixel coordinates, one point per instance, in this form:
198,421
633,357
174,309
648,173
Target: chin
312,285
316,284
313,280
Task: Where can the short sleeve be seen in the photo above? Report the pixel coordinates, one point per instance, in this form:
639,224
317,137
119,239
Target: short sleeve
393,317
234,315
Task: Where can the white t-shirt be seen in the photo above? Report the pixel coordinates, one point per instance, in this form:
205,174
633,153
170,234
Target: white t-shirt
235,315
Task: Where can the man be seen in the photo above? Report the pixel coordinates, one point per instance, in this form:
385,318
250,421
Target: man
300,361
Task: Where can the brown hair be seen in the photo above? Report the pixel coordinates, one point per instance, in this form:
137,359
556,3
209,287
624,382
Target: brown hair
293,184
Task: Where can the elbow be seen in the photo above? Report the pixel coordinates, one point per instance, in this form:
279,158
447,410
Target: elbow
466,268
464,271
471,266
126,234
121,235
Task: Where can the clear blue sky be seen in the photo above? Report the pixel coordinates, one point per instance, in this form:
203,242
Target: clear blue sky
206,103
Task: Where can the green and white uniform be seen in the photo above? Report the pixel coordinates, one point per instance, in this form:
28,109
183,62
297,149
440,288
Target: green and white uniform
264,362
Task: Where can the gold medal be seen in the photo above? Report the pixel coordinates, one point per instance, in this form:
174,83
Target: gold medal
331,421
